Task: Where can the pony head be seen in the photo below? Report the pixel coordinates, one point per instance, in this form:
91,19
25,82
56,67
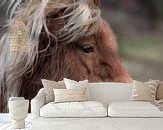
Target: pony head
66,39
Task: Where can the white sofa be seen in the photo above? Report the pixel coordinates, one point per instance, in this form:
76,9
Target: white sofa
122,113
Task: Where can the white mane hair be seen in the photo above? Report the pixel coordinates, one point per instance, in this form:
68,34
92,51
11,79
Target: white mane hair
81,15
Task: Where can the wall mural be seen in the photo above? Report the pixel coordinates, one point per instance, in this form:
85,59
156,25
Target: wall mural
59,39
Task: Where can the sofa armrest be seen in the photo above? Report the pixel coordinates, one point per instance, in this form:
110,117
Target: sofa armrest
37,103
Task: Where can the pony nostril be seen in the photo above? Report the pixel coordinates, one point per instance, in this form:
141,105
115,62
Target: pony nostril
107,67
106,71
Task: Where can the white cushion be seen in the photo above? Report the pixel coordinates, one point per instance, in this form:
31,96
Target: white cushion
49,86
70,95
74,109
144,91
133,109
71,84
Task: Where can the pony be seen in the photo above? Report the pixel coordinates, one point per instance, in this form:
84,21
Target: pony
63,39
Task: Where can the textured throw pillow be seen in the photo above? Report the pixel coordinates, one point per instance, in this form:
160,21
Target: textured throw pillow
71,84
159,94
49,86
70,95
144,91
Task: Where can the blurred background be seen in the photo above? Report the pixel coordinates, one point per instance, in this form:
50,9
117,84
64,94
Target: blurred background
138,25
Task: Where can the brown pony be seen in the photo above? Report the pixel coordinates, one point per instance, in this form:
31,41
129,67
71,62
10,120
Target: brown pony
68,39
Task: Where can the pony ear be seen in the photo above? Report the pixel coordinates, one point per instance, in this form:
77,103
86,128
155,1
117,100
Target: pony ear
97,2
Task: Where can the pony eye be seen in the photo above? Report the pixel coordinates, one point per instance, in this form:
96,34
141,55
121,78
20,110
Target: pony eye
87,48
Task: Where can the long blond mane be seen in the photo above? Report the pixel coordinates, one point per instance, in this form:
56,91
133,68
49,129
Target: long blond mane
81,17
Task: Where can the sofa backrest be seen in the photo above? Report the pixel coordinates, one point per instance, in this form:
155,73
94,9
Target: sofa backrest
108,92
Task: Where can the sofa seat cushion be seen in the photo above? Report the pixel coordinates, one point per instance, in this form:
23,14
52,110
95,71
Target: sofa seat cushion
133,109
74,109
